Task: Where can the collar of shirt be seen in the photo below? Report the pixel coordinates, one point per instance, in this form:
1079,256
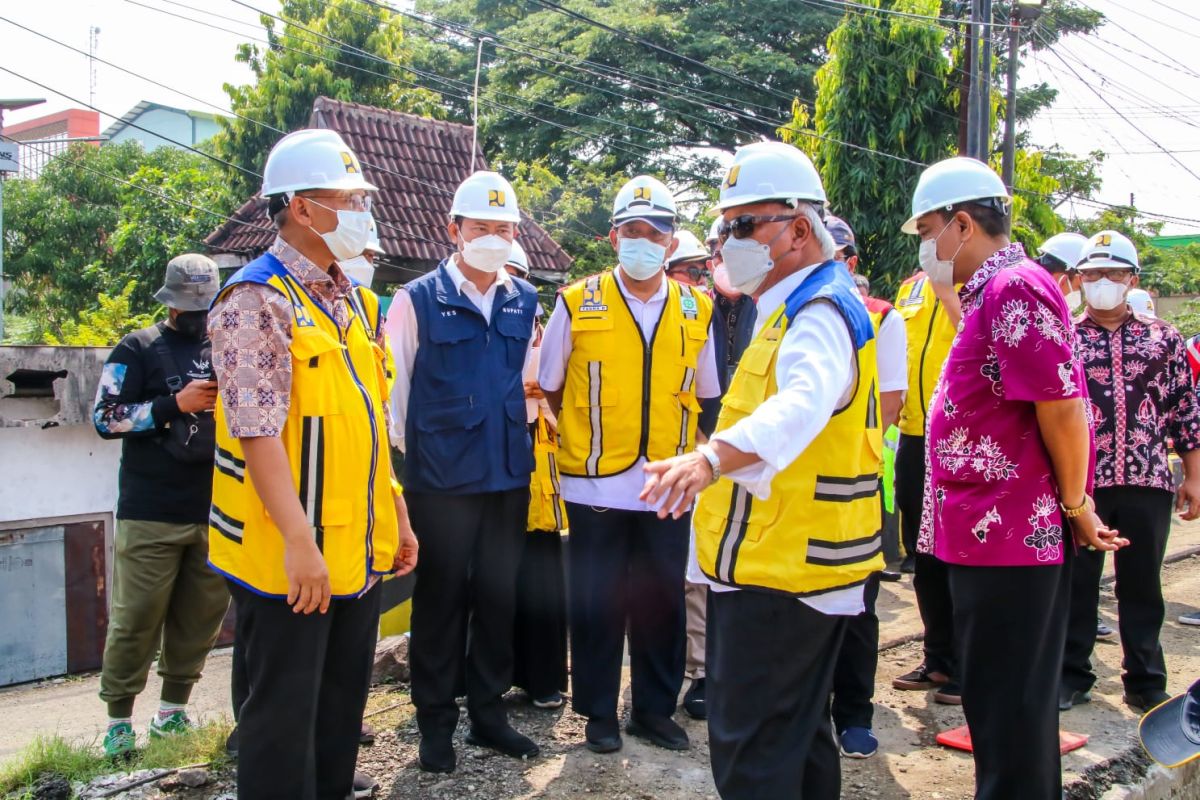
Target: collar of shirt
461,282
1009,254
1084,319
778,294
659,296
332,283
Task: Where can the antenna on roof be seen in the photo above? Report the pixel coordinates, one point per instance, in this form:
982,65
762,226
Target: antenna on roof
475,102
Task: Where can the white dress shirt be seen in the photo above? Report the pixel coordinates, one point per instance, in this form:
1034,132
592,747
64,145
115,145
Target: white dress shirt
814,371
621,490
401,329
891,351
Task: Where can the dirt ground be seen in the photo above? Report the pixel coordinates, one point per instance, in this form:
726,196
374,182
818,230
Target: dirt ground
909,764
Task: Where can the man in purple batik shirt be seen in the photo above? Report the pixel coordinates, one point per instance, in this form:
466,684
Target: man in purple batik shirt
1008,462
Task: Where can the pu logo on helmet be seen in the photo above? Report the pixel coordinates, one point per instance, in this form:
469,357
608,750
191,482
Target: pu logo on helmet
1104,240
496,197
642,193
732,178
350,162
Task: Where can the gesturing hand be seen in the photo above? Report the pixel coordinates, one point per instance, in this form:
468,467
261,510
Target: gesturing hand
673,484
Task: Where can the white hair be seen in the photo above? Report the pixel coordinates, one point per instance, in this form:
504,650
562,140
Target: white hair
823,237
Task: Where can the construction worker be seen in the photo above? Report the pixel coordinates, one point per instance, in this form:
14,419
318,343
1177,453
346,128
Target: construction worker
306,515
854,675
689,263
931,314
1058,255
1135,487
790,521
461,335
540,625
1009,459
626,359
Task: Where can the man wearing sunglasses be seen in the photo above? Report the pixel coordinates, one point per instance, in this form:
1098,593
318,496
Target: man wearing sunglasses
788,537
626,358
1147,359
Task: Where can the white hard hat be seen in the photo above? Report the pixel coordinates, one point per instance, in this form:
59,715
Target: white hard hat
714,231
517,258
1109,249
770,171
952,181
1066,247
690,248
314,158
645,198
486,195
1140,302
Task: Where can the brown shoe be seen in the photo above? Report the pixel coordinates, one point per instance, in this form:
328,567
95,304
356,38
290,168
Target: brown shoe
366,734
920,679
949,694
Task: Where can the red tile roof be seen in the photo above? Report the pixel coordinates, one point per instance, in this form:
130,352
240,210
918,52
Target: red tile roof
417,163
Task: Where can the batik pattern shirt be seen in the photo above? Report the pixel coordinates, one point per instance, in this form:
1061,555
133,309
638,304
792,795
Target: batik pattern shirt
991,498
1140,386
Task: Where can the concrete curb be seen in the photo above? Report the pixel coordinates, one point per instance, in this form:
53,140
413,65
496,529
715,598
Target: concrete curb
1132,776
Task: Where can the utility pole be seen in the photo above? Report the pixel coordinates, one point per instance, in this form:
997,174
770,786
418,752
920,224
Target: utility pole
1025,11
985,83
8,105
967,75
978,110
93,46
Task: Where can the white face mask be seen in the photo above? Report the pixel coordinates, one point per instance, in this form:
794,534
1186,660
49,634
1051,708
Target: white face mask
939,271
1074,297
487,253
640,258
360,269
747,263
351,235
1105,295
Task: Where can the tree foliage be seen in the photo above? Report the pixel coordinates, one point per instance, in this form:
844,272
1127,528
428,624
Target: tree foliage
78,231
104,325
344,49
884,87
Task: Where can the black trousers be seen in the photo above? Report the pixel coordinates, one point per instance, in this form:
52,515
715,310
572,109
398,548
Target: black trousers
854,675
1143,516
540,627
1010,624
626,571
770,670
308,677
930,581
463,605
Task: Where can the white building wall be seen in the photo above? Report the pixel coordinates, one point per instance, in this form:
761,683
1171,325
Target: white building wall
56,472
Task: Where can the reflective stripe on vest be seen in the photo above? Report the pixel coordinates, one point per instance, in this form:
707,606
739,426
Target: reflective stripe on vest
824,505
625,398
336,444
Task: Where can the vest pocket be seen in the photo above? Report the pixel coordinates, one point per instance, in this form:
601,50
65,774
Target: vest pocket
448,433
515,331
317,368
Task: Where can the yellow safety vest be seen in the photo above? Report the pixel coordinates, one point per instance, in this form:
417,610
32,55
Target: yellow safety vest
625,399
547,511
336,441
374,320
819,529
930,334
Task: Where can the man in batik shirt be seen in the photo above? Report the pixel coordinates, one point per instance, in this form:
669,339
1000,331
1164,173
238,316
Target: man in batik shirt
1141,396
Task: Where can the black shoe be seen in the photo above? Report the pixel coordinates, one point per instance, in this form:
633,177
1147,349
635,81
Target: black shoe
603,735
889,576
1068,697
1142,702
503,739
920,679
693,700
949,695
436,756
909,565
364,786
231,743
662,731
366,734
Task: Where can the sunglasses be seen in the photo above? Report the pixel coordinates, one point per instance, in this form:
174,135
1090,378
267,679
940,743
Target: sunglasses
696,274
745,225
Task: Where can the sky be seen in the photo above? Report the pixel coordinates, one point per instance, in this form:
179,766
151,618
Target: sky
1148,72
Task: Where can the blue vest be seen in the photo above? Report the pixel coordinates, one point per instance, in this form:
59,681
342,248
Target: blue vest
831,282
466,429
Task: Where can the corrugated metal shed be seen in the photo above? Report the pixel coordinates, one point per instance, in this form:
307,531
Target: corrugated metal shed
417,163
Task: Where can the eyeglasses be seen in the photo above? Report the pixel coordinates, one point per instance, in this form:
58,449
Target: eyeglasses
1118,274
696,274
354,202
745,225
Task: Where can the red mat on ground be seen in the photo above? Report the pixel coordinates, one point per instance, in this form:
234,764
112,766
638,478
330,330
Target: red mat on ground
960,739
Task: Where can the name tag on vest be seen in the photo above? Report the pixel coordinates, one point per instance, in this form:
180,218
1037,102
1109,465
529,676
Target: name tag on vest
449,313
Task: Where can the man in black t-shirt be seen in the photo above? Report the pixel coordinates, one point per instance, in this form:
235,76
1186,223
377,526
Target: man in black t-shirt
156,394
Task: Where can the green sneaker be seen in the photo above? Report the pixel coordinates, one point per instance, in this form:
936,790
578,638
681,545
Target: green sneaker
173,724
120,740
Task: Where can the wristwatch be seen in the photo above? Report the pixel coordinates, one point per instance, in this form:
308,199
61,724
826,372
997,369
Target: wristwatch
714,461
1077,511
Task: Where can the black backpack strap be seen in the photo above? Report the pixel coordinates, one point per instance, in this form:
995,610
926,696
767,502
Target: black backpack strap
167,362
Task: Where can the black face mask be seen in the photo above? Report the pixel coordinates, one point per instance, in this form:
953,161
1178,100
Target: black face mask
192,324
